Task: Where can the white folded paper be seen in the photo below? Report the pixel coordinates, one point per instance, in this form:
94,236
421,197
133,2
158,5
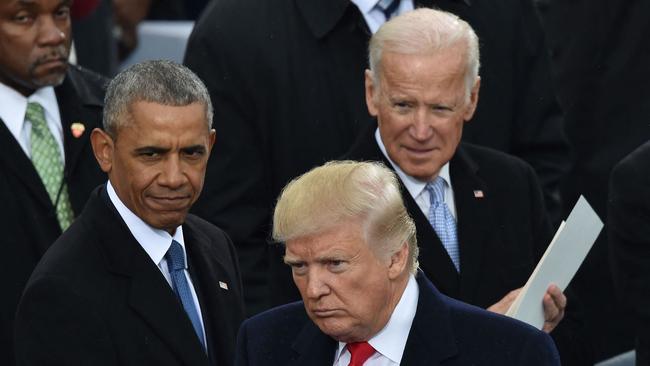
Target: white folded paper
559,264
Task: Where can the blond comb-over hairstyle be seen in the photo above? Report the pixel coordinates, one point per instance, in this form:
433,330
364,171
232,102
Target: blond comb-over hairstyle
344,191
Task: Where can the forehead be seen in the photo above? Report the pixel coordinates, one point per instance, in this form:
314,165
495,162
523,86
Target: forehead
342,240
33,4
424,69
150,120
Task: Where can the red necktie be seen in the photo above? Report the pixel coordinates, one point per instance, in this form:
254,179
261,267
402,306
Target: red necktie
360,352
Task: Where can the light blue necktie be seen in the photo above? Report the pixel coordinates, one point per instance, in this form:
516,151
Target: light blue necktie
442,221
176,265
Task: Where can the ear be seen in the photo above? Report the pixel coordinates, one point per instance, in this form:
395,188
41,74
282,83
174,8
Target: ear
213,137
371,94
398,261
103,148
473,100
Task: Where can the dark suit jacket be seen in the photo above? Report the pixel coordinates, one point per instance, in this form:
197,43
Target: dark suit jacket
501,236
28,219
444,332
96,298
629,240
286,79
600,61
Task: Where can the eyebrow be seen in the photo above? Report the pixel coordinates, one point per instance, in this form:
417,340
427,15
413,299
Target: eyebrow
193,148
150,149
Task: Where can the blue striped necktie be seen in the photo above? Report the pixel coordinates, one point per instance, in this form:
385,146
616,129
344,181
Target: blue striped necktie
442,221
176,265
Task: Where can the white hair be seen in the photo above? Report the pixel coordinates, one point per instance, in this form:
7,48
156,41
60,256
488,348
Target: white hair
425,31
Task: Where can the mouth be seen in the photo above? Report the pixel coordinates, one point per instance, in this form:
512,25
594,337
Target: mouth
170,203
53,59
324,313
418,151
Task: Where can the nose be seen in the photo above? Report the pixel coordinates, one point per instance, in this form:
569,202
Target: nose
172,175
317,286
421,129
50,33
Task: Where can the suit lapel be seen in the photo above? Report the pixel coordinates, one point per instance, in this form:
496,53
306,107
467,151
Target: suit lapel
472,198
150,295
314,347
431,340
15,159
76,105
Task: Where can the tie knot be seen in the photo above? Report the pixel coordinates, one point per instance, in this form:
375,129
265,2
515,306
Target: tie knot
436,190
175,257
35,114
359,352
388,7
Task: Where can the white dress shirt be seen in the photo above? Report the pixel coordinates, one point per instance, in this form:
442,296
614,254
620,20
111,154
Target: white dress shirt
374,16
390,342
155,242
14,106
416,188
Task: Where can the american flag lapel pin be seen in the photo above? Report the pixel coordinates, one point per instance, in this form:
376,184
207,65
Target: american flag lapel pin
478,193
223,285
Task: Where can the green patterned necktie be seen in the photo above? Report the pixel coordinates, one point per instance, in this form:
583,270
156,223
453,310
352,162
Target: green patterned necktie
46,158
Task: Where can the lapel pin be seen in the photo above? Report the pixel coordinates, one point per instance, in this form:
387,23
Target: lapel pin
77,129
478,194
223,285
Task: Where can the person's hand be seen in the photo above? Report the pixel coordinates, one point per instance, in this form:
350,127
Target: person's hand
554,305
503,305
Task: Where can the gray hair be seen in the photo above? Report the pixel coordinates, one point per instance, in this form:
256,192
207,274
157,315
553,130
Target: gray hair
343,191
425,31
159,81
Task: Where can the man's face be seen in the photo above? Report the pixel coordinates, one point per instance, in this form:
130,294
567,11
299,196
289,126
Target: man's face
34,43
421,107
157,161
348,291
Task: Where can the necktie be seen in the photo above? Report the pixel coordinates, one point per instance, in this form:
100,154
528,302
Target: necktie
442,221
388,7
46,158
360,352
176,265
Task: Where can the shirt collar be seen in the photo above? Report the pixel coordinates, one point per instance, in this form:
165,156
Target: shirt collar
155,242
14,106
391,340
365,6
413,185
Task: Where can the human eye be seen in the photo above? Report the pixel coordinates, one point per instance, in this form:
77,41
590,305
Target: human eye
63,12
402,106
149,154
298,268
194,153
23,17
336,265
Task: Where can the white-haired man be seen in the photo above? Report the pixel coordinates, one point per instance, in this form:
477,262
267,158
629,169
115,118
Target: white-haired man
479,213
353,253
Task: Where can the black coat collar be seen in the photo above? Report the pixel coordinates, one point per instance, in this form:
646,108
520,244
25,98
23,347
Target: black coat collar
323,16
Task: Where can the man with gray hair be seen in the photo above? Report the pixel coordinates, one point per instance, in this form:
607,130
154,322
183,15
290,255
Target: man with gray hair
479,213
136,280
353,253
